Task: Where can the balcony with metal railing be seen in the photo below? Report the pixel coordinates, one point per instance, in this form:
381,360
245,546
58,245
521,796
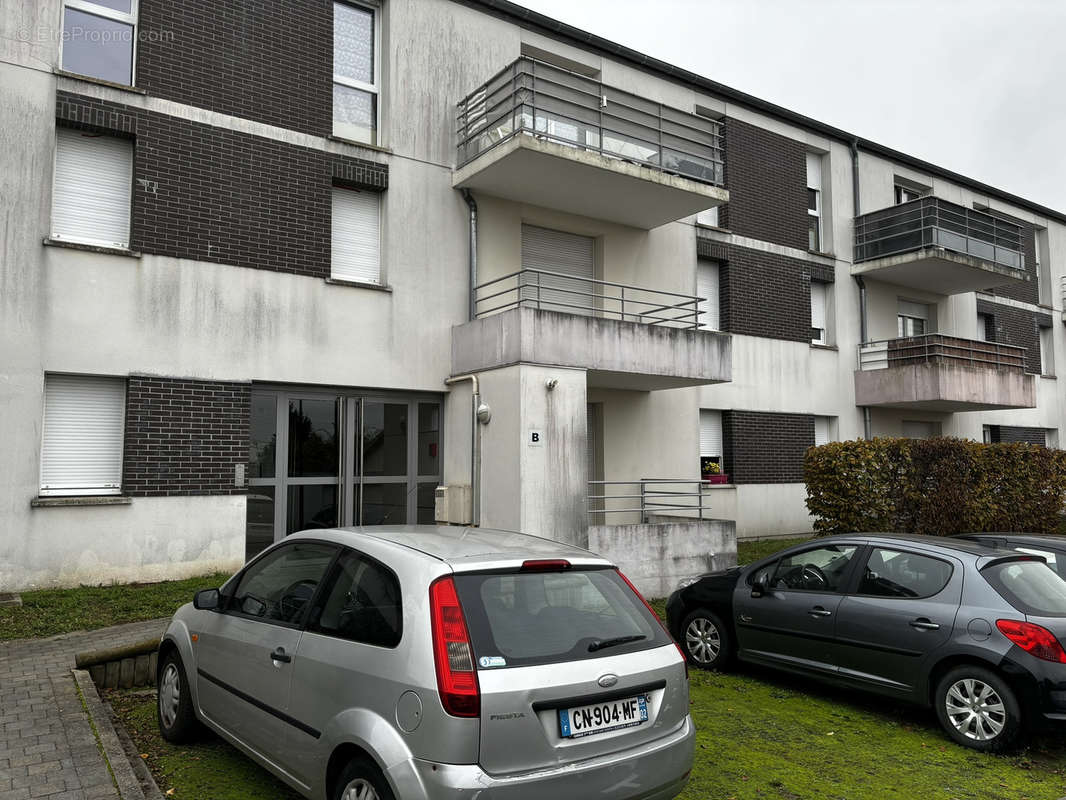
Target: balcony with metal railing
937,246
535,133
936,372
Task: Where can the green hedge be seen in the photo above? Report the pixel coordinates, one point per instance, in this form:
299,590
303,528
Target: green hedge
939,486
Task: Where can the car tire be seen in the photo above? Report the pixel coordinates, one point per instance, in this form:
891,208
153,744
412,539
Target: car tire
706,640
174,712
362,780
978,709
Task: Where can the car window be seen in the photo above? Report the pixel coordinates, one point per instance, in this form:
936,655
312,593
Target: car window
518,619
895,573
1029,586
362,603
279,586
820,569
1047,555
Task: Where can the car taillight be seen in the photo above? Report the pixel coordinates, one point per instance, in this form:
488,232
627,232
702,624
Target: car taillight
1033,639
658,619
545,565
454,657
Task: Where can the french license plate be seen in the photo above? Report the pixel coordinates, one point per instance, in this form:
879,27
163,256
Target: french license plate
601,717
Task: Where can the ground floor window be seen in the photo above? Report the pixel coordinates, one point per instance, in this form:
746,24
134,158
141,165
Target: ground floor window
321,459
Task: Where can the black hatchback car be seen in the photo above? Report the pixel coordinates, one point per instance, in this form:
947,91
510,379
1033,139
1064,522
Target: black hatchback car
948,623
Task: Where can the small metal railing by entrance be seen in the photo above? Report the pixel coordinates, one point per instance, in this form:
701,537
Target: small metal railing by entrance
645,497
533,98
936,347
556,291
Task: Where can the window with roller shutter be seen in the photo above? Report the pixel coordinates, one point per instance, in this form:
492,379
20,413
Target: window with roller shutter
356,236
711,441
92,189
707,291
571,257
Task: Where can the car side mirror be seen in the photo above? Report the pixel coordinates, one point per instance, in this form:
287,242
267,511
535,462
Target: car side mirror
207,599
758,589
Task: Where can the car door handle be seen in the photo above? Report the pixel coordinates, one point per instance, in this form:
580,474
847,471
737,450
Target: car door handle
280,655
818,611
924,624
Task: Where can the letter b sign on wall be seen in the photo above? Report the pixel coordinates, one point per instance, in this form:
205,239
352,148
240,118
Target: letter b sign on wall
535,438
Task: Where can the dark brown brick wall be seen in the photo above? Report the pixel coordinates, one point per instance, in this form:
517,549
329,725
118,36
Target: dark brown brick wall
764,294
766,175
211,194
764,447
1018,327
1028,292
265,60
1011,433
184,436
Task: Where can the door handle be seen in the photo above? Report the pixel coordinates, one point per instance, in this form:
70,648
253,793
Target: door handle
924,624
280,655
818,611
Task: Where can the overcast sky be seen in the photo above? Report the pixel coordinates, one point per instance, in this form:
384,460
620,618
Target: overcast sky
974,86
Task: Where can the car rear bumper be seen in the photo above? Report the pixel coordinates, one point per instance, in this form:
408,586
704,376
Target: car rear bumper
654,771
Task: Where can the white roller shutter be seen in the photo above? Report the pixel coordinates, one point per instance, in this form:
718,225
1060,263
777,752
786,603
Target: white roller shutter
707,291
710,433
356,236
81,451
814,171
566,253
92,189
821,431
818,312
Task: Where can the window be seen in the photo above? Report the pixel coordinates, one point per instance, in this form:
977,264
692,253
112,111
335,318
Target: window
548,250
711,461
986,331
821,431
356,86
819,570
819,294
279,587
913,319
707,276
84,421
708,217
1030,586
904,194
363,603
98,39
1047,351
891,573
356,236
1043,267
814,202
920,430
92,189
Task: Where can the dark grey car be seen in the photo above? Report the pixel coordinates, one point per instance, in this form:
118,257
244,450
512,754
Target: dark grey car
971,631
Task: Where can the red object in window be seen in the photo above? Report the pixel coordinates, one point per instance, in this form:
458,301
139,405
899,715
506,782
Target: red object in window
432,449
456,677
1033,639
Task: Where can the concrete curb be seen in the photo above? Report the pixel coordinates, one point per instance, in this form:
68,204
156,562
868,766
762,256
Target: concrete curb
129,787
140,768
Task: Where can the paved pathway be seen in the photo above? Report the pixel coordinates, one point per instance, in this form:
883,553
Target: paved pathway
47,748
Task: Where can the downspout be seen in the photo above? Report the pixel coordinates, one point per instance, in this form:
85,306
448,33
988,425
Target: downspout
472,205
864,336
480,414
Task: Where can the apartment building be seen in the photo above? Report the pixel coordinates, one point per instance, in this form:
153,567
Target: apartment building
310,263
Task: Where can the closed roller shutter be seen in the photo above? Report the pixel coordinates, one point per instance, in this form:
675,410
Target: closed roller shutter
84,419
710,433
821,431
566,253
92,189
818,312
707,291
356,236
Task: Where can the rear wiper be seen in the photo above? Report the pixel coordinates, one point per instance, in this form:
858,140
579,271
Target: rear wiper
604,643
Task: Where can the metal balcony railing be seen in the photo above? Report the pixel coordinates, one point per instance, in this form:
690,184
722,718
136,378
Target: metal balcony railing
555,291
937,348
646,496
932,222
532,98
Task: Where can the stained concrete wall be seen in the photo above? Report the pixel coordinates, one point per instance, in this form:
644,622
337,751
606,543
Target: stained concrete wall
944,387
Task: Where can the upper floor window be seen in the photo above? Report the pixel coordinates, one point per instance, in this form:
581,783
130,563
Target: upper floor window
712,462
1047,351
822,433
814,202
84,421
99,38
356,83
819,306
92,189
356,236
905,194
707,291
914,319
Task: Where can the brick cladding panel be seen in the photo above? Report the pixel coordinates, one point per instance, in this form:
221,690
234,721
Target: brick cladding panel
211,194
764,447
766,175
264,60
1011,433
1028,292
184,437
1016,326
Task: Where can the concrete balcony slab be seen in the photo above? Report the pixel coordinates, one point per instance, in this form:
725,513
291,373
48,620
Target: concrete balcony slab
935,386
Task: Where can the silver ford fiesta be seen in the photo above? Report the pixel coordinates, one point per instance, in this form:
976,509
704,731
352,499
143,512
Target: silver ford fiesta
417,662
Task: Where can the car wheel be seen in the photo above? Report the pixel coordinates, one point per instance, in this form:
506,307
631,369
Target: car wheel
978,709
174,711
362,780
705,640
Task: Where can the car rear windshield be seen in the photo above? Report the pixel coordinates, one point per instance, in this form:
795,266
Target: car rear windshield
1030,586
526,618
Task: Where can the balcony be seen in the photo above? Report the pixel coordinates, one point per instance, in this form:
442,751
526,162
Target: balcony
940,247
943,373
626,337
538,134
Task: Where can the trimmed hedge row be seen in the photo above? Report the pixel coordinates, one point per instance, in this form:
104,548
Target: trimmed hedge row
940,486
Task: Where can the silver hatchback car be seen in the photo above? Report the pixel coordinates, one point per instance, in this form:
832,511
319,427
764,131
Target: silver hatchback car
416,662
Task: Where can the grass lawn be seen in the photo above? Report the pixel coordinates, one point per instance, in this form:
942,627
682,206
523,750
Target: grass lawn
51,611
750,551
